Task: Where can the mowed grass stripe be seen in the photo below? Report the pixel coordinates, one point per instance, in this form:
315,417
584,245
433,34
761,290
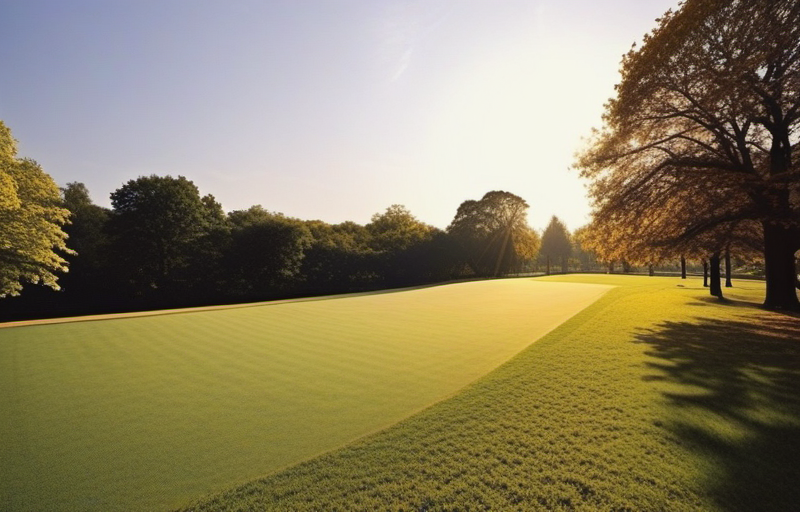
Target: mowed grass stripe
656,397
146,413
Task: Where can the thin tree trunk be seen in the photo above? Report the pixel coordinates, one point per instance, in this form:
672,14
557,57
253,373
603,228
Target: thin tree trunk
716,288
651,271
779,248
548,265
728,283
610,267
683,267
705,273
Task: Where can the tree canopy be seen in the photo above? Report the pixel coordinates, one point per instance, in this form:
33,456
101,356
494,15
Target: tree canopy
87,220
32,241
338,258
88,265
397,229
490,229
155,221
699,142
556,243
266,251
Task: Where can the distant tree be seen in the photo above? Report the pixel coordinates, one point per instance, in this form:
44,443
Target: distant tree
643,243
587,258
348,235
155,224
204,273
488,229
403,247
397,229
556,243
443,260
266,252
31,220
87,237
87,220
702,134
744,238
527,244
340,258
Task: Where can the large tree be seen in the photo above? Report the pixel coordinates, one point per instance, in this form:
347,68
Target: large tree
702,134
155,224
266,252
490,229
31,218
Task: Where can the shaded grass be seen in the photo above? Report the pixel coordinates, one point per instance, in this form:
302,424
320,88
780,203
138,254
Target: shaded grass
148,412
651,399
737,400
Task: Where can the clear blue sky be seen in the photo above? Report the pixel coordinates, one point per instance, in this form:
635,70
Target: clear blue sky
329,110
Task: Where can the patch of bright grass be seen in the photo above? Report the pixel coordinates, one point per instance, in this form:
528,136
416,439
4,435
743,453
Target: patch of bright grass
147,413
655,398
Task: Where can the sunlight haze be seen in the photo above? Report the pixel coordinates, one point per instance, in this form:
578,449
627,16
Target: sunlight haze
330,110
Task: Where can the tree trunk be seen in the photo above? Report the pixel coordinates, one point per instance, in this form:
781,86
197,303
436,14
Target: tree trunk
683,267
564,264
716,288
610,267
548,265
779,248
705,273
651,271
728,283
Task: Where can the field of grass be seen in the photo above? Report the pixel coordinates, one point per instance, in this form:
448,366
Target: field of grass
655,398
147,413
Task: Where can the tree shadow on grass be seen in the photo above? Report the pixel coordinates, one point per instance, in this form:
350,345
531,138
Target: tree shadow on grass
734,389
735,302
714,301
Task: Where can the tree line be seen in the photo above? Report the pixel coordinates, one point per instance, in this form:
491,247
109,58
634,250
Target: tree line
696,160
163,244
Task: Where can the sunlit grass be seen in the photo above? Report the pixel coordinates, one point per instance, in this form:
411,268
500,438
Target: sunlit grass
654,398
147,413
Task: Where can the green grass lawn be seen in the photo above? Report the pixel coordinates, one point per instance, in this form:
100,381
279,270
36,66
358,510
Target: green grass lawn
655,398
148,413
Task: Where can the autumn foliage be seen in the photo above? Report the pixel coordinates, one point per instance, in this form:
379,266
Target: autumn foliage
698,148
